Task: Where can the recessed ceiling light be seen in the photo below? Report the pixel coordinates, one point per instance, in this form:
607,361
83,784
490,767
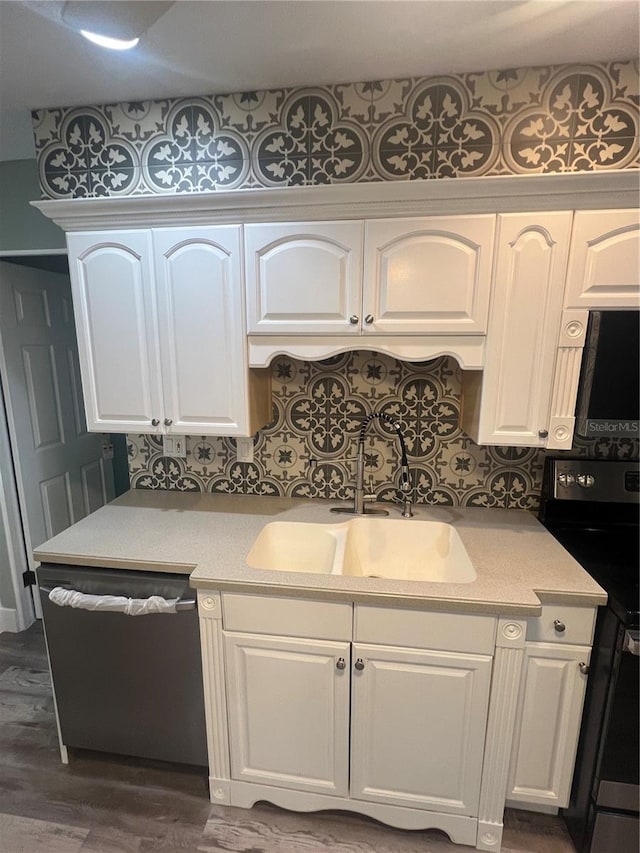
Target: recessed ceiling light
115,24
106,41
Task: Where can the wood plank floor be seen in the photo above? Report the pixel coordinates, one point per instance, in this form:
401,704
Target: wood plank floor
108,804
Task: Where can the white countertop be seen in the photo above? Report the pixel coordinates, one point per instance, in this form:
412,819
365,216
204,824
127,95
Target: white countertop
519,565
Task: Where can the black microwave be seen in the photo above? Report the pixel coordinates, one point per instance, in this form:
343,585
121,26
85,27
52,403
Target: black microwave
608,394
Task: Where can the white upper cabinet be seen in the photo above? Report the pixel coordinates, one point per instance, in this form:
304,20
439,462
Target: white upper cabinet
604,265
115,310
161,333
202,346
304,277
508,403
427,275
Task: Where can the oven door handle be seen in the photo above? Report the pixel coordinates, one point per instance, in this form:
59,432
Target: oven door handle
632,642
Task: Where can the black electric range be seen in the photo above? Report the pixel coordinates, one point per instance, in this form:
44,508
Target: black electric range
591,507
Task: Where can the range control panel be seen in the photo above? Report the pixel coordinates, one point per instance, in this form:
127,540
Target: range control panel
596,480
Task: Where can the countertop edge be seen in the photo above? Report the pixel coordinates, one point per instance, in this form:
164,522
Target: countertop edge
114,563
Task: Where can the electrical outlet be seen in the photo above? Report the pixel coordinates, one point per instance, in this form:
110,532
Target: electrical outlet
244,449
174,445
107,450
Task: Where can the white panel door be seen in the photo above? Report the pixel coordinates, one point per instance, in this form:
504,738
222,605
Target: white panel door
418,722
547,724
304,277
114,299
525,316
201,328
428,275
288,704
604,266
61,475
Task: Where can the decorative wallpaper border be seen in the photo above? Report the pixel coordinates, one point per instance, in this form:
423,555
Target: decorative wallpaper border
318,409
570,118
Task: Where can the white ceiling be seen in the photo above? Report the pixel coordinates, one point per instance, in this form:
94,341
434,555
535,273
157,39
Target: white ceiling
218,46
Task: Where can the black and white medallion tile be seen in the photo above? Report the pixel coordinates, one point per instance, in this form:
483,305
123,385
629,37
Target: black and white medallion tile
552,119
567,118
318,409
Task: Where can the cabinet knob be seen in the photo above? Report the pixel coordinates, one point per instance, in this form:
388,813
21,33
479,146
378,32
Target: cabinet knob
354,319
368,319
583,667
359,664
559,626
168,421
154,421
340,663
543,433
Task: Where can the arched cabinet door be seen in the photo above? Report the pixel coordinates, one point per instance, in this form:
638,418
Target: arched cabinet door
428,275
114,304
201,335
604,264
303,277
508,402
160,321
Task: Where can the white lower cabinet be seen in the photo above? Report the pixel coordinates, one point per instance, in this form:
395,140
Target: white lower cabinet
418,719
289,712
551,697
551,693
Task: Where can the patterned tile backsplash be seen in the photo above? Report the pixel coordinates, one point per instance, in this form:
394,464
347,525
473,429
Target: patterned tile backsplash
318,407
569,118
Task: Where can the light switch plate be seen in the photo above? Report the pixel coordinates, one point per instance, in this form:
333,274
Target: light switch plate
244,449
174,445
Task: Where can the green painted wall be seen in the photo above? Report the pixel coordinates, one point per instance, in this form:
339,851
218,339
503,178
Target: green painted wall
22,227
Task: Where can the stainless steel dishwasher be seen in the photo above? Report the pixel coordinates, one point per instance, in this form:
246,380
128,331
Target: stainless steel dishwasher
126,684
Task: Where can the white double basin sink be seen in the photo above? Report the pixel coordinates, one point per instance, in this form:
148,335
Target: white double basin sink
393,549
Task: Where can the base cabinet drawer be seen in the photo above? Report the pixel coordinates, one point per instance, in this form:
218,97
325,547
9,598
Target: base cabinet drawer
291,617
563,624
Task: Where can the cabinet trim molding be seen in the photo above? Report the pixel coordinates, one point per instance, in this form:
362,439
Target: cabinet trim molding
468,350
379,199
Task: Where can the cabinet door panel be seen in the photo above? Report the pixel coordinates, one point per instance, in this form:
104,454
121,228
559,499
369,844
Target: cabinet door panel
201,331
288,712
604,267
418,726
547,724
428,275
114,304
523,331
303,277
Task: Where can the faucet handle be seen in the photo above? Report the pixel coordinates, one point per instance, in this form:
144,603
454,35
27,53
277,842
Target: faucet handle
371,496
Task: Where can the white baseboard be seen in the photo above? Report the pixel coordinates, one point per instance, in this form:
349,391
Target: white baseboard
8,619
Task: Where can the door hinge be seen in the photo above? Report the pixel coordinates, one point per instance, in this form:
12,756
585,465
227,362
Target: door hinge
29,578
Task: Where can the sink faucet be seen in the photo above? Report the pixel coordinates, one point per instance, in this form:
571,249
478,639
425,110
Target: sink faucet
405,483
